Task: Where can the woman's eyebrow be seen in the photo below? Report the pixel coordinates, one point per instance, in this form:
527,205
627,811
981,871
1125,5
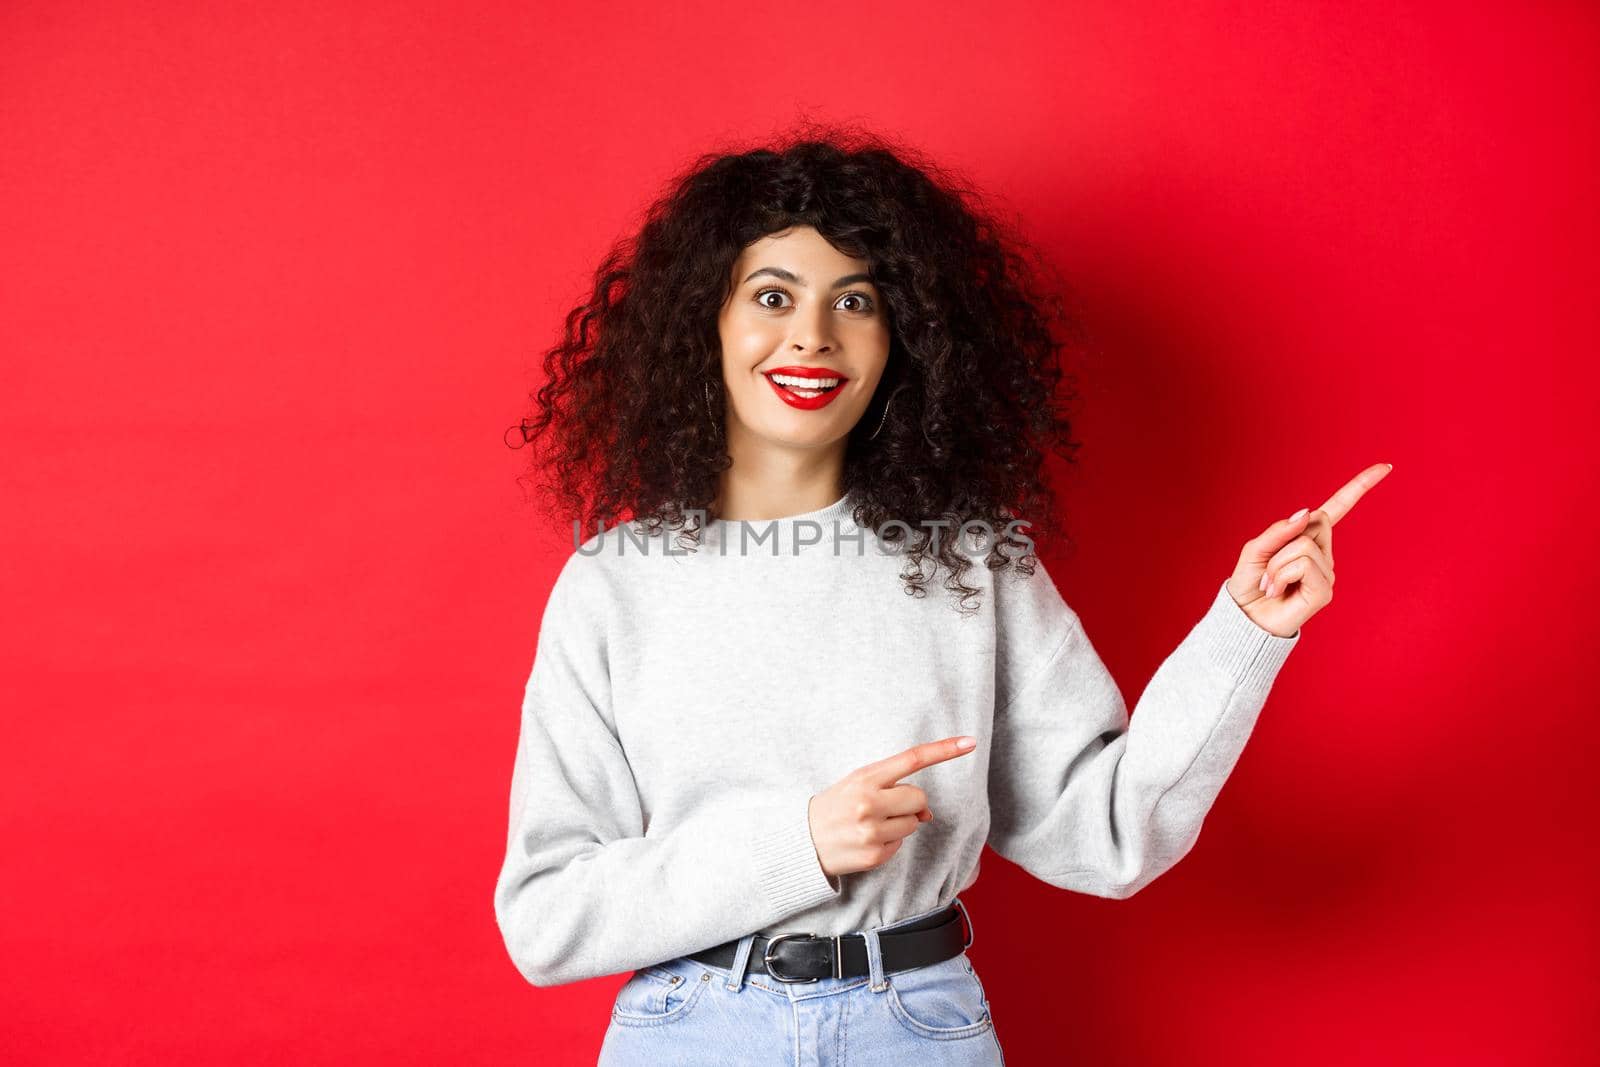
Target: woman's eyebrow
790,276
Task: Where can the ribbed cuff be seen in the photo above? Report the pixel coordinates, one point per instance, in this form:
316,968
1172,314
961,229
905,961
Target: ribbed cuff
1234,642
787,867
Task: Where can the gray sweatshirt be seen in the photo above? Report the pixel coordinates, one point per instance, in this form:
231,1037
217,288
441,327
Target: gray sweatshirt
684,705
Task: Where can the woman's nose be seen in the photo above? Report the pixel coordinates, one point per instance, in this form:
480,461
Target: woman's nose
813,330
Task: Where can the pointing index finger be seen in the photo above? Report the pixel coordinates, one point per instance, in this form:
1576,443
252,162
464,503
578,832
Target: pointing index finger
1339,504
887,772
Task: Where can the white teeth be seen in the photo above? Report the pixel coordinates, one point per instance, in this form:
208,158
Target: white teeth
816,384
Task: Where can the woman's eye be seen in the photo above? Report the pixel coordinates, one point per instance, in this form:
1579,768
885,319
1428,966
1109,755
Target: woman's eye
862,301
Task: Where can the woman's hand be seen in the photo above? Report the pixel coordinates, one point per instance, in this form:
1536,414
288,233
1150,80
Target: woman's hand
1285,576
859,821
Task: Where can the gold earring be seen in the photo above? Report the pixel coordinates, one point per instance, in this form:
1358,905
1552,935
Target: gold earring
881,421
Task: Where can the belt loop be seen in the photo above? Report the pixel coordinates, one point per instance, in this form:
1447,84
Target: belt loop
875,978
741,959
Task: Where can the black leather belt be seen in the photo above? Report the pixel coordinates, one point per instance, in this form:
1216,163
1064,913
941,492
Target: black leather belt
808,958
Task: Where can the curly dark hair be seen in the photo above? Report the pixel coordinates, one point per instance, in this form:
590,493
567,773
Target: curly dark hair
974,365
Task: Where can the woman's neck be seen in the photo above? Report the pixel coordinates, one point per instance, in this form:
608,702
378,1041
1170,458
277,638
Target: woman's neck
774,497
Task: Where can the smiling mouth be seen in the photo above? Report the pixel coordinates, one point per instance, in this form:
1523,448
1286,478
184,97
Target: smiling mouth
805,387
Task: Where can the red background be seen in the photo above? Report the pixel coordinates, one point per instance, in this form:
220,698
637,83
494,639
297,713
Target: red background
275,279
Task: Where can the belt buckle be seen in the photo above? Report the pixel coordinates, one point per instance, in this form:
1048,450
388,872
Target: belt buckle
766,955
971,930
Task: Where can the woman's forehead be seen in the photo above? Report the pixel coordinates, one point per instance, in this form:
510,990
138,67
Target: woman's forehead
794,251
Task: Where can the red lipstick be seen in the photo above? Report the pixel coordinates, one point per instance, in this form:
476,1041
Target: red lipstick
789,396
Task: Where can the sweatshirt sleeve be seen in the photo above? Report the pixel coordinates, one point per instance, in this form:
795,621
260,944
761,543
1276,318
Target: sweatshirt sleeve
587,888
1084,799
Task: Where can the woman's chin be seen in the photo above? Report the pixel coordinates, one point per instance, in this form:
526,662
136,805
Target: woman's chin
809,433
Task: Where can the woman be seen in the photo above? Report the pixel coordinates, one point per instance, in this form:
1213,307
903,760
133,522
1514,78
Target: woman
811,366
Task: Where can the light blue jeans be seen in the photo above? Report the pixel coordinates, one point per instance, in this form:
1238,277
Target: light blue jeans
684,1012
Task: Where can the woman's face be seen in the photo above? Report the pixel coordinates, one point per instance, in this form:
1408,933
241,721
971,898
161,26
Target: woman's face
799,307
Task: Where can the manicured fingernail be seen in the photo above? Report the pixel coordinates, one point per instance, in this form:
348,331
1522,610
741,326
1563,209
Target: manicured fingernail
1296,516
1262,584
965,742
